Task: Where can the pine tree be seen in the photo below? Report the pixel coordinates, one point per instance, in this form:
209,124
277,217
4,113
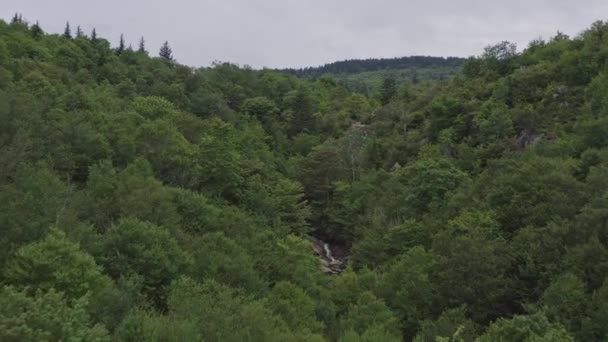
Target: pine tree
37,30
67,32
166,52
16,19
79,33
94,35
121,45
142,46
388,91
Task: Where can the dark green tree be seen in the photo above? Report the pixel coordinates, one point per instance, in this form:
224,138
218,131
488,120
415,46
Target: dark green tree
142,46
388,91
133,248
121,45
45,316
56,263
67,32
79,33
526,328
165,52
36,30
16,19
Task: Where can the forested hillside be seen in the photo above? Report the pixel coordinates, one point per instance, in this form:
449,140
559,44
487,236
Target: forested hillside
144,200
366,76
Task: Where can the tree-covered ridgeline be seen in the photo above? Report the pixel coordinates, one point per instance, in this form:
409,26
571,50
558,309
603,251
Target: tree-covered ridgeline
366,76
377,64
145,200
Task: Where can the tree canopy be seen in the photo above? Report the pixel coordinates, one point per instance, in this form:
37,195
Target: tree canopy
143,199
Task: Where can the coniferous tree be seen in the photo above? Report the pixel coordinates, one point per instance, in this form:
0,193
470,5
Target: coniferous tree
94,35
121,45
79,33
15,18
67,32
389,89
37,30
166,52
18,19
142,45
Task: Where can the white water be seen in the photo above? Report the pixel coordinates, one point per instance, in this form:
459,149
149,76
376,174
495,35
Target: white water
328,253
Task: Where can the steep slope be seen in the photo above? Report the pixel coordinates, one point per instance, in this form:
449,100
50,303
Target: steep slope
147,200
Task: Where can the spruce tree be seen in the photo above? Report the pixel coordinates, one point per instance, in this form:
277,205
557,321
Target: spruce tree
16,19
166,52
94,35
142,45
79,33
37,30
67,32
121,45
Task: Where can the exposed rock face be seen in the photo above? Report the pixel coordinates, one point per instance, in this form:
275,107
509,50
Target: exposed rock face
333,257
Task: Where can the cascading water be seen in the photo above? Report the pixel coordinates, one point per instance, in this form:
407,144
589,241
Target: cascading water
332,258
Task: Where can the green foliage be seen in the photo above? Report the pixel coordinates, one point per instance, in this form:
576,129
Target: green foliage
486,261
373,334
34,201
525,328
220,314
55,263
530,190
452,324
406,286
165,52
428,180
367,76
219,258
458,203
388,91
295,307
319,171
367,313
45,316
135,248
132,192
565,302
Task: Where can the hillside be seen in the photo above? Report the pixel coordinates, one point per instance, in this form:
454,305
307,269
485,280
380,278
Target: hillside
145,200
366,75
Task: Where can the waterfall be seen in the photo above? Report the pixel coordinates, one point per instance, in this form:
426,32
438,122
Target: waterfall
328,253
332,257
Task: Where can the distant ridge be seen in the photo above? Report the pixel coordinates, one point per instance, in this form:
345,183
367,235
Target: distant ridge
353,66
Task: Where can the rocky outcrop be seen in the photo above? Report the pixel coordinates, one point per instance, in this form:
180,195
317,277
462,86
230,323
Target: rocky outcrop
333,257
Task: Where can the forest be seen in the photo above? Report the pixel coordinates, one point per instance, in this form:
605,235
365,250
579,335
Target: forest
377,64
146,200
366,76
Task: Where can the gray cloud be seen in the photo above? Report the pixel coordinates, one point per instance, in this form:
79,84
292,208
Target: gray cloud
278,33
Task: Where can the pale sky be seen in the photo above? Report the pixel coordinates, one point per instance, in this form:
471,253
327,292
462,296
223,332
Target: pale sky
295,33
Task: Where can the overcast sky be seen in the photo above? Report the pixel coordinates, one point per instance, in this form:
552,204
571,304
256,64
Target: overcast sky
280,33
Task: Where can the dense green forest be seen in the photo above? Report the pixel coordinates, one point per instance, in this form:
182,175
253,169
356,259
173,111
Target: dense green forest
144,200
366,76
